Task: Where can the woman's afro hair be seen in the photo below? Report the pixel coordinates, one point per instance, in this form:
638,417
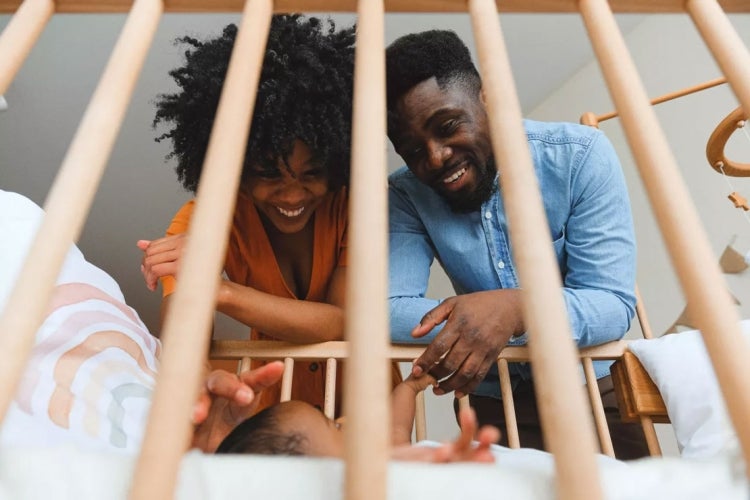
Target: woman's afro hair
305,93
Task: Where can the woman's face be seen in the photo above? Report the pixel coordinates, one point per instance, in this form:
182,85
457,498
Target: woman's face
289,196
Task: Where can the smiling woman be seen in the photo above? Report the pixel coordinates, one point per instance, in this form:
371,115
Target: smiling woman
286,261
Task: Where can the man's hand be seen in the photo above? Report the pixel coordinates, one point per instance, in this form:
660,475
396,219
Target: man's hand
226,400
477,327
161,258
463,449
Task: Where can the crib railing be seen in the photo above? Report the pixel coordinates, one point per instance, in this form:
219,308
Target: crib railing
332,352
536,6
565,421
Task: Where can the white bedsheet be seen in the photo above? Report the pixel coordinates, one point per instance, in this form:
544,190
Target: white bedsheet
64,473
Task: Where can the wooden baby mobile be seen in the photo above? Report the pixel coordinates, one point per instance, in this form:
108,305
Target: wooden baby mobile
731,261
736,120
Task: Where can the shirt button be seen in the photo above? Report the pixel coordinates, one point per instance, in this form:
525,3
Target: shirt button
501,264
313,367
488,215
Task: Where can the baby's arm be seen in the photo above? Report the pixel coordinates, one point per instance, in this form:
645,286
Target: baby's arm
462,449
403,407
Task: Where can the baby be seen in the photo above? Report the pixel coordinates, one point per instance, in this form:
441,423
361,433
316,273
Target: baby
297,428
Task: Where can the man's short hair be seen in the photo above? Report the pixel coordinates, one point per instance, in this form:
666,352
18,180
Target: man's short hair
417,57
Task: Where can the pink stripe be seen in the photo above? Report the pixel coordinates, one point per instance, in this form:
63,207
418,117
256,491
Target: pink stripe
70,362
74,293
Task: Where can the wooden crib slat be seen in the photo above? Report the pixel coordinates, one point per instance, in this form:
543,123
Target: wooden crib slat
420,419
286,380
565,422
463,402
188,323
678,220
367,385
652,440
72,193
329,402
20,35
640,311
509,407
726,45
245,364
600,418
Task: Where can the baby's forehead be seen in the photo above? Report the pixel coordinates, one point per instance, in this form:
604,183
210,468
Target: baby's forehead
299,409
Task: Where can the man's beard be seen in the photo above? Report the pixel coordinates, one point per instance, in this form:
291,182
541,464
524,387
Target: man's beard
486,187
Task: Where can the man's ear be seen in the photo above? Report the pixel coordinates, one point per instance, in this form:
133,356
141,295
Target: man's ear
482,97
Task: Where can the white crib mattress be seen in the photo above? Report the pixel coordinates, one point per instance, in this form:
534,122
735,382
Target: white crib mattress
64,473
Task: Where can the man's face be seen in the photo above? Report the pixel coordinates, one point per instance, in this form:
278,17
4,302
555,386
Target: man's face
443,136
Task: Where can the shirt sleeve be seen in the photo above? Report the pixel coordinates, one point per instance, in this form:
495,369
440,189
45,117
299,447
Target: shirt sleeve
179,225
410,257
599,282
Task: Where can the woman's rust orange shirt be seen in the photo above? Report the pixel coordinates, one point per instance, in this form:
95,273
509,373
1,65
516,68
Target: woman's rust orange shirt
251,262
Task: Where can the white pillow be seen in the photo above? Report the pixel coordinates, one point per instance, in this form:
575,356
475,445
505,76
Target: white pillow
679,366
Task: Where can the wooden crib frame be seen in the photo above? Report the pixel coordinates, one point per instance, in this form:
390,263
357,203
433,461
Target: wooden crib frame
566,422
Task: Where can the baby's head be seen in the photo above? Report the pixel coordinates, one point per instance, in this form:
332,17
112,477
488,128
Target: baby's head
289,428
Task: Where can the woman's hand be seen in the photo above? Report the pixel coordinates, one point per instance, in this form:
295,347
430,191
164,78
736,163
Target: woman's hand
161,258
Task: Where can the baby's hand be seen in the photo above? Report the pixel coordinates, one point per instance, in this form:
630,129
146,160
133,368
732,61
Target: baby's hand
462,449
419,384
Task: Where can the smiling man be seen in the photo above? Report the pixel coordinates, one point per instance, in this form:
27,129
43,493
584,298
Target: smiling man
446,205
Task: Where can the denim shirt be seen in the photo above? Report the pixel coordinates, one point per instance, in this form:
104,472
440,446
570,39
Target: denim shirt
588,211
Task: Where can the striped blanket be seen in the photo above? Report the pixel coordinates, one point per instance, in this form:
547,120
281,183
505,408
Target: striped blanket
90,375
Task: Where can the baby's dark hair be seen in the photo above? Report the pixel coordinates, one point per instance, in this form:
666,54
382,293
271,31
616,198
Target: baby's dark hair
305,93
417,57
261,434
